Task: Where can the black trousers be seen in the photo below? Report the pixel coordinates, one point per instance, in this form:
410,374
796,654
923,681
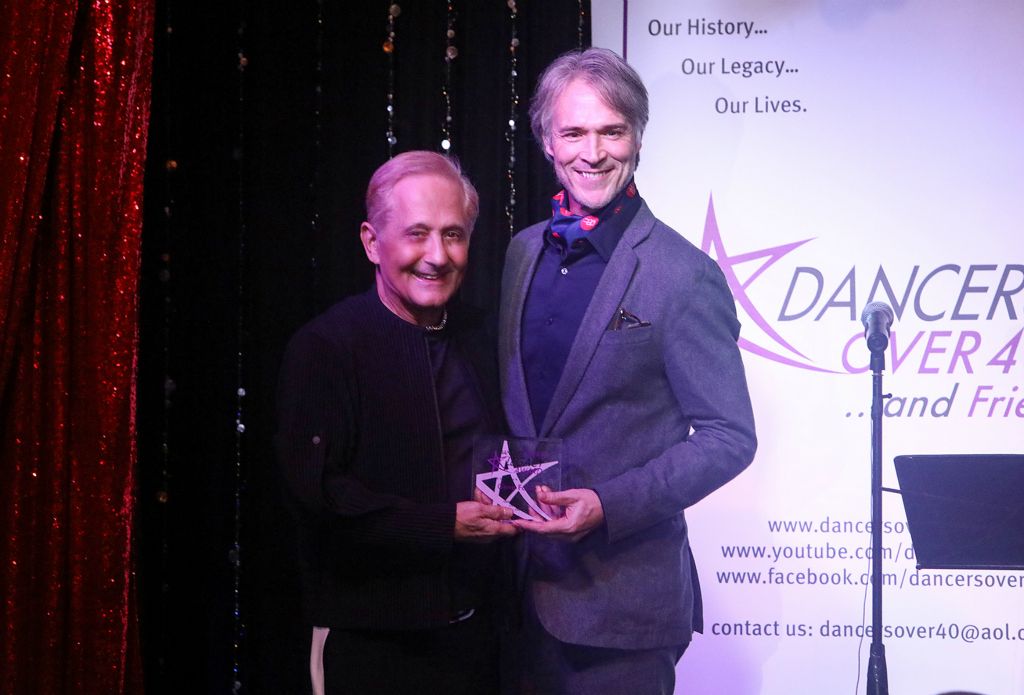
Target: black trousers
461,658
548,666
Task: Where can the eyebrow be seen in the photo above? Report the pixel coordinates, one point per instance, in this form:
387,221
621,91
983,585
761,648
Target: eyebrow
425,225
619,125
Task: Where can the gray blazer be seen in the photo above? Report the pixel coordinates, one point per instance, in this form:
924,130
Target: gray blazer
652,418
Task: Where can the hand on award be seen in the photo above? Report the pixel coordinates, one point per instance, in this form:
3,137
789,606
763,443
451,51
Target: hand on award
479,522
574,513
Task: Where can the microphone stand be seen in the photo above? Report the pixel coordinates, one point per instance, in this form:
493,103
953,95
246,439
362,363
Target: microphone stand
878,679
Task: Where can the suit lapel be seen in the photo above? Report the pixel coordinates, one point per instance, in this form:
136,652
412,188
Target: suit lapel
517,400
606,301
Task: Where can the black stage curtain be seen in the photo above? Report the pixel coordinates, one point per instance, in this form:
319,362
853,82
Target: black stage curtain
235,259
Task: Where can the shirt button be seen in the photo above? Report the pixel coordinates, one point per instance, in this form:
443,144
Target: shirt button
316,439
550,320
565,271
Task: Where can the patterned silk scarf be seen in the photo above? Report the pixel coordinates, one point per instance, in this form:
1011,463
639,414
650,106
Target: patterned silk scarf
569,227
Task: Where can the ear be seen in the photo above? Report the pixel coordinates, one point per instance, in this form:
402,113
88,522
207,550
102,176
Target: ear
548,150
368,235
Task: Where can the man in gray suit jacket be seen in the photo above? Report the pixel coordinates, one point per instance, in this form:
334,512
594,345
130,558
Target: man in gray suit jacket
618,337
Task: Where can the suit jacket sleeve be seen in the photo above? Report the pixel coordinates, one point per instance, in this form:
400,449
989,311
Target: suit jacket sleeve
703,366
315,441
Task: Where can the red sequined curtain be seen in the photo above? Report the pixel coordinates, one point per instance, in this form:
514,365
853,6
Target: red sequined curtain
74,110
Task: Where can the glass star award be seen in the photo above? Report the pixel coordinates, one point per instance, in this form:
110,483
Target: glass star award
507,471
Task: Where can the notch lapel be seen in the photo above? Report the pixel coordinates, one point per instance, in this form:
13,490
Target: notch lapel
516,399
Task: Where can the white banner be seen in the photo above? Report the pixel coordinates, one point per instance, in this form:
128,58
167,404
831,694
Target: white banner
827,155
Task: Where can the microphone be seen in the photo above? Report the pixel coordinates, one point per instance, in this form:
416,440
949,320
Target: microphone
877,317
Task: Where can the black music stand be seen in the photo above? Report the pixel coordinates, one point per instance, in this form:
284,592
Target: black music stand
964,511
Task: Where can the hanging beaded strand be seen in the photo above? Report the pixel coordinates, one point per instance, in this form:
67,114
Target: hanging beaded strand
235,553
450,54
513,116
579,25
169,386
314,182
389,50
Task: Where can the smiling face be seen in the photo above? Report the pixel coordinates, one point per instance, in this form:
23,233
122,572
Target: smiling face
422,250
592,146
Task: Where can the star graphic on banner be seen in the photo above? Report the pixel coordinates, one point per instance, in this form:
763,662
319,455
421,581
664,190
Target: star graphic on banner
502,467
713,245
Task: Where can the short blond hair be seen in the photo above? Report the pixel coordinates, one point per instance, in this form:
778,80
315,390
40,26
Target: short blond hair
412,163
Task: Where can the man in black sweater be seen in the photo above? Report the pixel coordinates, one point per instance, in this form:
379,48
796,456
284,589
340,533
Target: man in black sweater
379,400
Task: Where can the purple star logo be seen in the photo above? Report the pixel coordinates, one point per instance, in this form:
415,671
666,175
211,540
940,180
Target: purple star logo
713,245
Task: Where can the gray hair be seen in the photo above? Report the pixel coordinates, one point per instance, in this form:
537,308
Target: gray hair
378,193
609,75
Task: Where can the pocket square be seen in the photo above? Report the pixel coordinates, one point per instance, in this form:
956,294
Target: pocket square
624,319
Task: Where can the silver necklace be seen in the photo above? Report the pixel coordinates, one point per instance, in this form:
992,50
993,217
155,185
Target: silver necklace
441,325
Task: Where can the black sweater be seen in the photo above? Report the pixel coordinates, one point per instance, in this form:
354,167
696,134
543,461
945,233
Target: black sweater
360,443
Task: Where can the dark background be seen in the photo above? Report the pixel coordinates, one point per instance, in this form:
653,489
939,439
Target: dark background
254,195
